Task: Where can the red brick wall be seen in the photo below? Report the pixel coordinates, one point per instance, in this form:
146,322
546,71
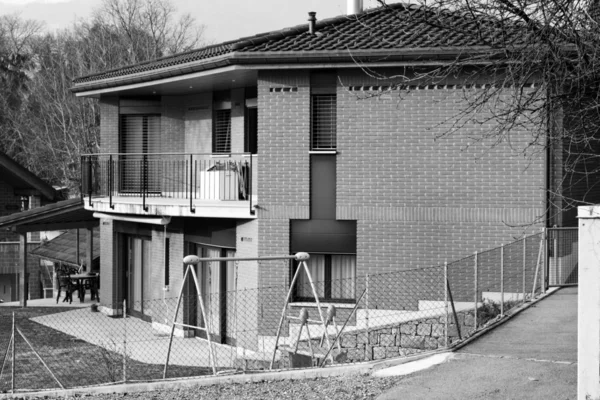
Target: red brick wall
418,199
109,124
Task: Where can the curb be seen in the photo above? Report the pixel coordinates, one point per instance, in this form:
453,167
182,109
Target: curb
297,374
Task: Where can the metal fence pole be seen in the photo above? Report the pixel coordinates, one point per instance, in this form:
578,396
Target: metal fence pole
12,372
475,297
367,303
124,340
544,263
502,281
524,266
446,300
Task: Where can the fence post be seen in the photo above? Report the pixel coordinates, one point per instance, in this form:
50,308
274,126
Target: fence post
545,259
124,340
475,297
524,266
502,281
367,304
446,300
12,372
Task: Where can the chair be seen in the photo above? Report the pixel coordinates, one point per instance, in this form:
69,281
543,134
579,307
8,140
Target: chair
92,285
65,282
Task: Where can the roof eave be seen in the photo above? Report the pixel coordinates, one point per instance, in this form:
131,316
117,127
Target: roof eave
300,58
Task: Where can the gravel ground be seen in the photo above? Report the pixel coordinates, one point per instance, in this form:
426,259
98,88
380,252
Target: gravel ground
348,387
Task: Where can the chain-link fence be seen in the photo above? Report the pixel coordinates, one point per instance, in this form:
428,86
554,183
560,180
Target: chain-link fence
377,316
563,256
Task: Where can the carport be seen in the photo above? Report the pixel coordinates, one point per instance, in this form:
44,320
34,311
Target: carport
63,215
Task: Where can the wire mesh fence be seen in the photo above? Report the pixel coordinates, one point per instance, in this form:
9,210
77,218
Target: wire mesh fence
380,316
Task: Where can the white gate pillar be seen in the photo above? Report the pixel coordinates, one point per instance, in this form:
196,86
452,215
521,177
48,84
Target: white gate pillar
588,304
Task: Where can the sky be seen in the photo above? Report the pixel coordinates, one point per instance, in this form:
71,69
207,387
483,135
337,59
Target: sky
224,19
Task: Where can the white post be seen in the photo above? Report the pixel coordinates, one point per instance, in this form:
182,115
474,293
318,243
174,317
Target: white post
588,303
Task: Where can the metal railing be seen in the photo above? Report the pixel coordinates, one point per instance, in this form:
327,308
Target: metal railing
182,176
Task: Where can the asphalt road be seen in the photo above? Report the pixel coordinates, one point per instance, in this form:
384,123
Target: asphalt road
532,356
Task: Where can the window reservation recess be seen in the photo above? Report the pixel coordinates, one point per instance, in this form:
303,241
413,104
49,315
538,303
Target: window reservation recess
222,131
323,122
333,275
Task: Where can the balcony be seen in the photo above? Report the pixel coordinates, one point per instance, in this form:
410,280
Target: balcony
174,184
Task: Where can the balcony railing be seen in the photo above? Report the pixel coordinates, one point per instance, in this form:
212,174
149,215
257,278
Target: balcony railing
192,177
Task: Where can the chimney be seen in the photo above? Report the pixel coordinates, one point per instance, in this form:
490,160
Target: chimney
354,7
312,19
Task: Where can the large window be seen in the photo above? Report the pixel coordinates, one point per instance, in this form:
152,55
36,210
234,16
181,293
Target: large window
139,138
222,131
323,121
334,277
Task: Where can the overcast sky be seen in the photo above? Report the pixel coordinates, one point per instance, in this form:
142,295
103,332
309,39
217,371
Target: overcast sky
224,19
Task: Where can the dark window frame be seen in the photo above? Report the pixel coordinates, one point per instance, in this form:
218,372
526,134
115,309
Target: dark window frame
323,122
327,297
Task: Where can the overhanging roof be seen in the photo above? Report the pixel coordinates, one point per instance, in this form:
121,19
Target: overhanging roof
22,179
67,214
391,33
63,248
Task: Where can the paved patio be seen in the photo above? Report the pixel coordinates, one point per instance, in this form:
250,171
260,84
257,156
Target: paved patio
142,342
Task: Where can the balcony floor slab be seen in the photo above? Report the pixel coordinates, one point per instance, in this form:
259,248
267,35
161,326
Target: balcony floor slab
172,207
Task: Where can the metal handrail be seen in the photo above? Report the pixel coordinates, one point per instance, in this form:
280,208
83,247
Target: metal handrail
189,176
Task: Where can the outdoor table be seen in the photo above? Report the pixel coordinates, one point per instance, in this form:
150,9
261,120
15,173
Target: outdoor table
81,280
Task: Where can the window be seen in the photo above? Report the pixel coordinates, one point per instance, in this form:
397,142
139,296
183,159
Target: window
139,138
221,131
333,275
323,121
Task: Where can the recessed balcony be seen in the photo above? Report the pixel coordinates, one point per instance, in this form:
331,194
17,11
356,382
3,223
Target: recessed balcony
173,184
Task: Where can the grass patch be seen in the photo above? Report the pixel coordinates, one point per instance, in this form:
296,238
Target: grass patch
73,361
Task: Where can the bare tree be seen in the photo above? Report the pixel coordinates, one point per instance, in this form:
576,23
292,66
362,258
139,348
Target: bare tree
523,65
42,125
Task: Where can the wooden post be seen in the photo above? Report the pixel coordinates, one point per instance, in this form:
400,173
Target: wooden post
24,274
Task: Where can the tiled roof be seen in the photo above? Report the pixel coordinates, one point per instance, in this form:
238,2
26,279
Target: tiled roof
395,27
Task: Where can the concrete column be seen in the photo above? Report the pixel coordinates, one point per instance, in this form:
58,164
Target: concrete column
89,248
588,304
23,274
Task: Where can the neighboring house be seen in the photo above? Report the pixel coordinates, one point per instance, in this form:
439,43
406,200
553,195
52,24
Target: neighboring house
279,143
21,190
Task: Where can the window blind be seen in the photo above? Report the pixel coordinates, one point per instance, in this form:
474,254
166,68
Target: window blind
222,131
323,121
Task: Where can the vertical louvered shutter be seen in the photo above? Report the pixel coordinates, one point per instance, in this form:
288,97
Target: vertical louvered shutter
323,121
222,131
139,136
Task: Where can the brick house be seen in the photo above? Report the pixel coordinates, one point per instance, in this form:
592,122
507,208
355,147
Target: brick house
20,190
279,143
